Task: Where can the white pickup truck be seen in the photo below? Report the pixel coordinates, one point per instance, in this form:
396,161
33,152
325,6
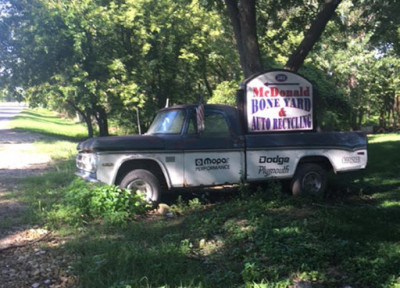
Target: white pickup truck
177,152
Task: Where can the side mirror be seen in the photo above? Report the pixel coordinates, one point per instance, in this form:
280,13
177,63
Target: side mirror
200,118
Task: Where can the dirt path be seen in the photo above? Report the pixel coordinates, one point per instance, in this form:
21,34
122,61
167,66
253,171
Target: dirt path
29,255
18,159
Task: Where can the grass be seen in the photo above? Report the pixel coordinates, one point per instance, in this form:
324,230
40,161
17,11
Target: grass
48,123
257,238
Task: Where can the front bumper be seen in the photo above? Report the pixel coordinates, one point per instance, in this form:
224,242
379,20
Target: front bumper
91,177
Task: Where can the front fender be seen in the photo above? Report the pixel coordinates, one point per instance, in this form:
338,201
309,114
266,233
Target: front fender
112,166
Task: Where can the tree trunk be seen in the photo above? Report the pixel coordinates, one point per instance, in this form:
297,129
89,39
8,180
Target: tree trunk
313,34
398,110
360,118
204,74
86,117
233,12
102,121
243,20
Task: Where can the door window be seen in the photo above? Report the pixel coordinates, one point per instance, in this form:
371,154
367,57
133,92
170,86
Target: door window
215,125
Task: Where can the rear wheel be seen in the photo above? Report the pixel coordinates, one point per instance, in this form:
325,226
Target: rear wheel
144,182
309,179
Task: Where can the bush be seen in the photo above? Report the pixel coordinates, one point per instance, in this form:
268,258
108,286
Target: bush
86,202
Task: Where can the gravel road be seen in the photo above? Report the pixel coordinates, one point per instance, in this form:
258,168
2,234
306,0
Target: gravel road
8,111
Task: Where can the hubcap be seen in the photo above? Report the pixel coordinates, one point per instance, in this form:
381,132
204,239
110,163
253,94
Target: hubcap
140,186
312,183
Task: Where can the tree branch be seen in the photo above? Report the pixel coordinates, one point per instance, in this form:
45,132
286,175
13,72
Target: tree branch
313,34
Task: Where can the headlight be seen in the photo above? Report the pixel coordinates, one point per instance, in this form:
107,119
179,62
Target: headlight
87,162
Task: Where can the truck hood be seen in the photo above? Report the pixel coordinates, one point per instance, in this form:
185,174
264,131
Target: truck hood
122,143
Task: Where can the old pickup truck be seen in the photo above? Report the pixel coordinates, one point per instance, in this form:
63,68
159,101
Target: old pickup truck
178,152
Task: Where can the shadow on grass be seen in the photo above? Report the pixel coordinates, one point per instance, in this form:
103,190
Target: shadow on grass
51,126
51,137
148,255
247,241
37,117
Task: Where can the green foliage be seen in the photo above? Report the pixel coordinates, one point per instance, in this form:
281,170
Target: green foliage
182,207
84,202
281,28
106,59
225,93
363,74
331,105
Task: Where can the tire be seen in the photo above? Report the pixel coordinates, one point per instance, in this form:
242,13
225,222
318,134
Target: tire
309,179
145,182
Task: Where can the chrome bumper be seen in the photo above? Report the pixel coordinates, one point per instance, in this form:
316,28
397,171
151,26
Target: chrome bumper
91,177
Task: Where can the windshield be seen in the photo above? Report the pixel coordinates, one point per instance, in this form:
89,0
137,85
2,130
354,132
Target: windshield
167,122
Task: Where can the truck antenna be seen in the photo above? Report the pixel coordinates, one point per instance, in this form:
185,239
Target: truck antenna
167,103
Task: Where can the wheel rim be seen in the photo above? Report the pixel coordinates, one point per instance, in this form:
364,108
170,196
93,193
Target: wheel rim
140,186
312,182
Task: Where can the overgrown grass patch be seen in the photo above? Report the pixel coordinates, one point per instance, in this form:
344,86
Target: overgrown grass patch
57,149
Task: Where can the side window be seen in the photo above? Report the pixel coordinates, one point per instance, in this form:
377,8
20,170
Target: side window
215,125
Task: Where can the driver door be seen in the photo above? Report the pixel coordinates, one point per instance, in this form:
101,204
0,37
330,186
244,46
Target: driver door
215,156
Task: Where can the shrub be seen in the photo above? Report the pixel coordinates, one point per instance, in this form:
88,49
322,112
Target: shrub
84,202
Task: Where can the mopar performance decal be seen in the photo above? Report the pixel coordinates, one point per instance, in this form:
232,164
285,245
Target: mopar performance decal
213,168
211,164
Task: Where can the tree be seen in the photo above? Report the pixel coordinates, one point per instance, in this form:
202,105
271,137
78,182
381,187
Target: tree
313,34
47,44
382,19
108,58
242,14
364,72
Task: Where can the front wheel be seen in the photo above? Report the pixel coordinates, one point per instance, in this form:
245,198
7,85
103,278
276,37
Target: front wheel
143,181
309,179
